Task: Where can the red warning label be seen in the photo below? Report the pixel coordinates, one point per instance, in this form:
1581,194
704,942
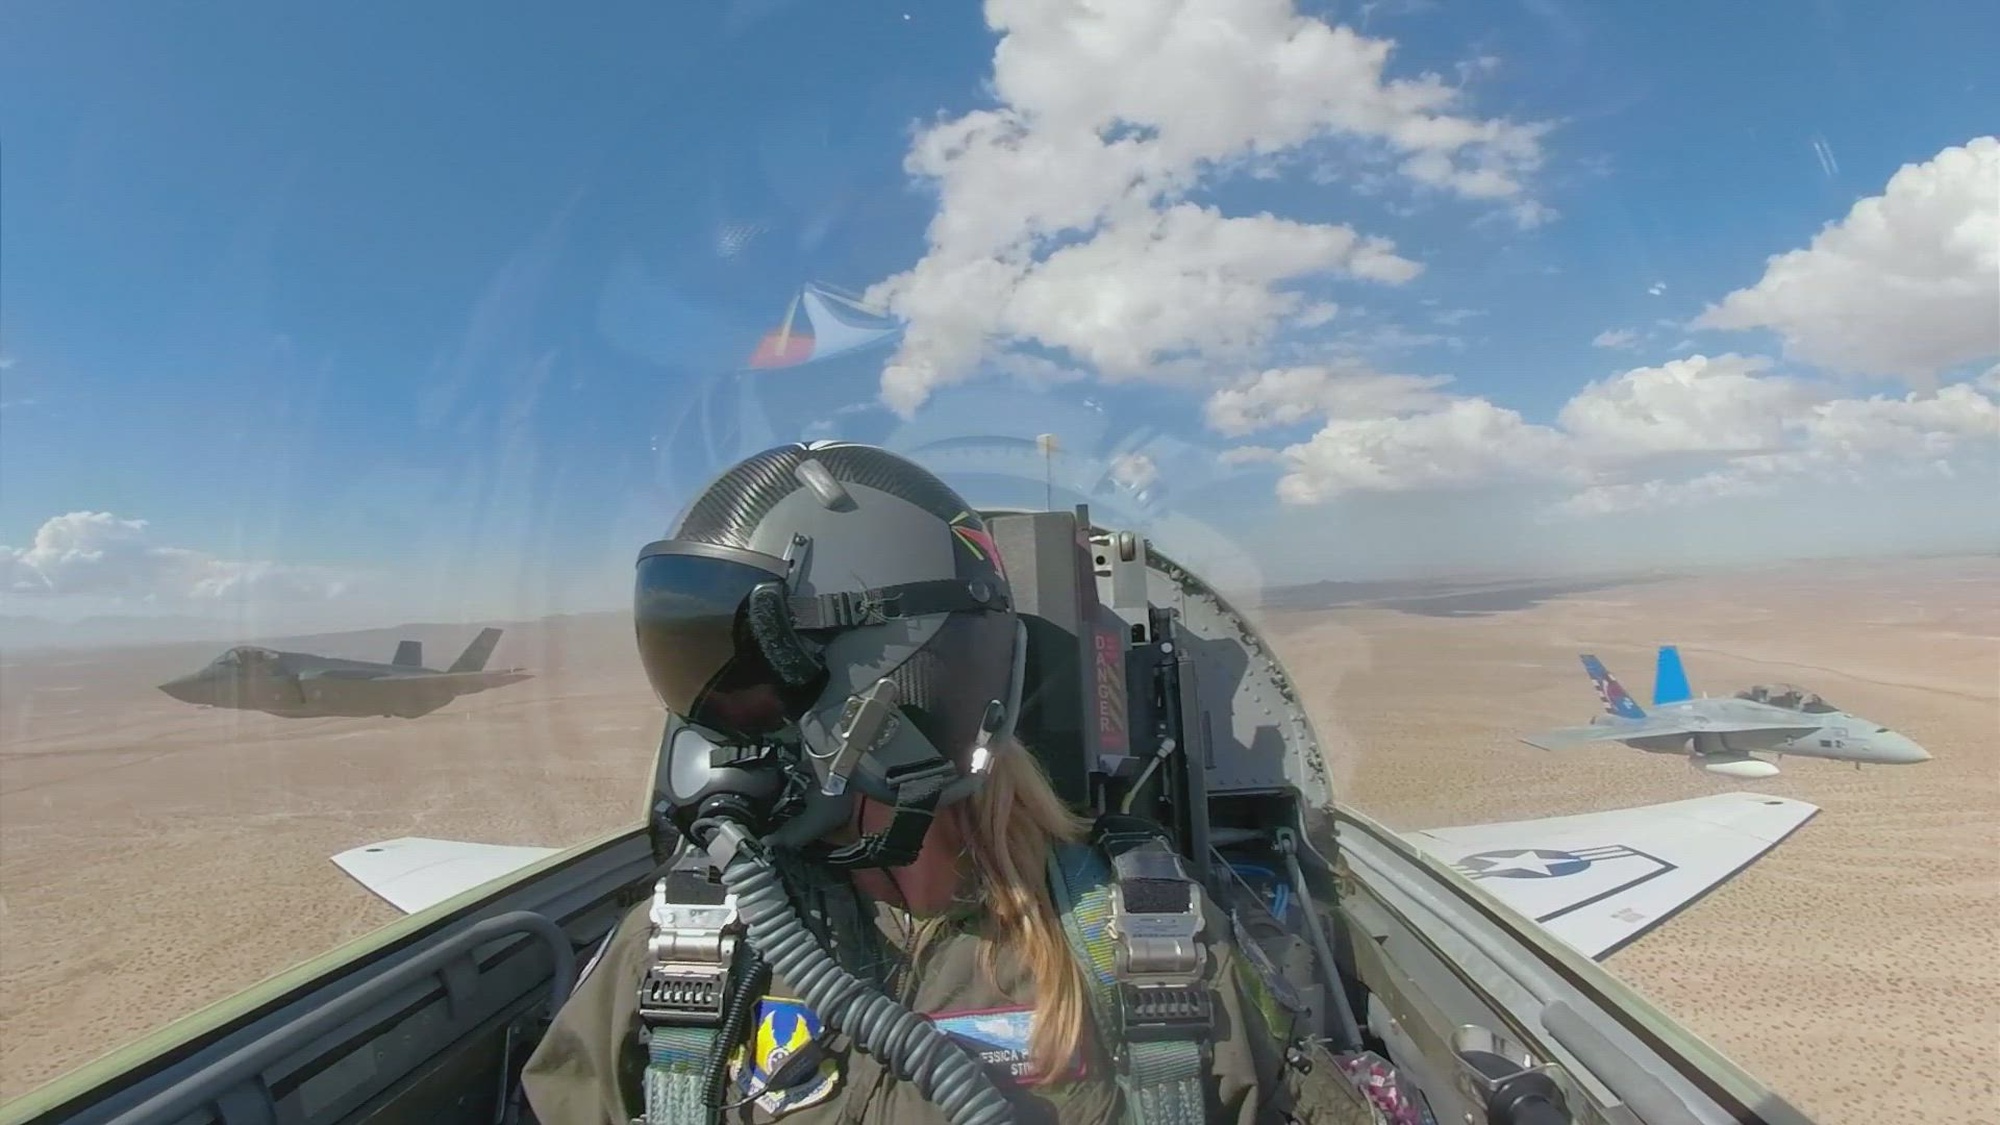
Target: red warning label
1113,736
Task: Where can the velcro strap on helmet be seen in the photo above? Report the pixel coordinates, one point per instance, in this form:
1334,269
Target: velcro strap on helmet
851,609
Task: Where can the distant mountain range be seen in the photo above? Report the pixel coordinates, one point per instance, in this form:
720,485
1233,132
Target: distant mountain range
26,633
21,632
1471,594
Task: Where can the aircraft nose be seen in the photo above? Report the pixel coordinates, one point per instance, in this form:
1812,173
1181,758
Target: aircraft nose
1899,749
187,689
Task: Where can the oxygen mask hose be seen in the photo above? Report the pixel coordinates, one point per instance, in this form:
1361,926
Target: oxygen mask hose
910,1045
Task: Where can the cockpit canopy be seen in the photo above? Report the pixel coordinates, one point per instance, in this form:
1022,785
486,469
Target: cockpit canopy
246,656
1789,696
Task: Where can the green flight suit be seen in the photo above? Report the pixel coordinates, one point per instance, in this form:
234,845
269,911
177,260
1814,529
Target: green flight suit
587,1070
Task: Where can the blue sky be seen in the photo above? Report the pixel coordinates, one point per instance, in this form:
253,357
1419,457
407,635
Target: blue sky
381,311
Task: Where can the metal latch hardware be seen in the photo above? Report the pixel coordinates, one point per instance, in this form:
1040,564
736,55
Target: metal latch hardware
695,928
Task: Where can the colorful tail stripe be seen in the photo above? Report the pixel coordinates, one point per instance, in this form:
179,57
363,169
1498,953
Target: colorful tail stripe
976,538
1616,699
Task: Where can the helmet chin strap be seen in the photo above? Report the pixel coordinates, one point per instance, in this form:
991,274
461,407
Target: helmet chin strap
899,844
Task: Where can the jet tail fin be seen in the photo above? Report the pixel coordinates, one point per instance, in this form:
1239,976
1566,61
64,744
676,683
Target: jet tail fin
1617,700
476,654
1670,680
409,654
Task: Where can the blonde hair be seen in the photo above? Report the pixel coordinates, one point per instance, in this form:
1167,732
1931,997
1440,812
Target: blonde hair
1010,826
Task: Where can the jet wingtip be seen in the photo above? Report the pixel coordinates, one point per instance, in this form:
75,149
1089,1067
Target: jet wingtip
1564,739
412,873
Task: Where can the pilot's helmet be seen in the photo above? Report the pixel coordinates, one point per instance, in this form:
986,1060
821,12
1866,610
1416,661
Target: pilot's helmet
807,573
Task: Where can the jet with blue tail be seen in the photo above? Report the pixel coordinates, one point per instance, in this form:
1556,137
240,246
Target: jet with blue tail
1720,735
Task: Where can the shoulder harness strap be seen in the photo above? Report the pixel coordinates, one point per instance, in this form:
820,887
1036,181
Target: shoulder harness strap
682,999
1133,917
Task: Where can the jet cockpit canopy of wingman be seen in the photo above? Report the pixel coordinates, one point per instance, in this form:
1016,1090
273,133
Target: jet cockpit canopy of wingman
1791,697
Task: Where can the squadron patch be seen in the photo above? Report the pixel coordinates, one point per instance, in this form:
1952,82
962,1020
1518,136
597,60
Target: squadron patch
784,1028
999,1038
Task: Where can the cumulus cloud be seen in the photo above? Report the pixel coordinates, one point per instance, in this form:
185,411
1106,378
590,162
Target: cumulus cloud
99,554
1907,285
1752,478
1468,441
1916,425
1621,442
1809,434
1134,470
1061,217
1067,243
1289,395
1150,285
1691,405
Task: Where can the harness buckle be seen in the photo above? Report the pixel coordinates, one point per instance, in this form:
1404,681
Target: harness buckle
1174,1012
695,928
1158,958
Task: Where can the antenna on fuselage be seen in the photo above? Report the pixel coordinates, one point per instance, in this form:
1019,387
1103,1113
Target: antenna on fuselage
1048,445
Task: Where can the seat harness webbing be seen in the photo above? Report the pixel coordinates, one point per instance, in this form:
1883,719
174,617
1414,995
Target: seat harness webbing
684,995
1133,916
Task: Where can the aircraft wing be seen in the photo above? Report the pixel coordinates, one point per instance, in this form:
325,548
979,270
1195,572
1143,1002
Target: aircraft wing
1596,881
416,872
1661,726
1599,880
405,675
365,674
497,677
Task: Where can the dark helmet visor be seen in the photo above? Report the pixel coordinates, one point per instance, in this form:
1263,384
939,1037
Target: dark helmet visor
690,611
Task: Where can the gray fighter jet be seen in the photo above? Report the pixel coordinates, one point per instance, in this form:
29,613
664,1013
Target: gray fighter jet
1718,734
300,685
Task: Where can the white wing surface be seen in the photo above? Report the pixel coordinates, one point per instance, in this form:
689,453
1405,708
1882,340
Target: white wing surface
1596,881
416,872
1599,880
1664,726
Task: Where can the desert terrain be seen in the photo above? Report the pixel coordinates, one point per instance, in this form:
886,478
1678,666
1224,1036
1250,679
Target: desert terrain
152,848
